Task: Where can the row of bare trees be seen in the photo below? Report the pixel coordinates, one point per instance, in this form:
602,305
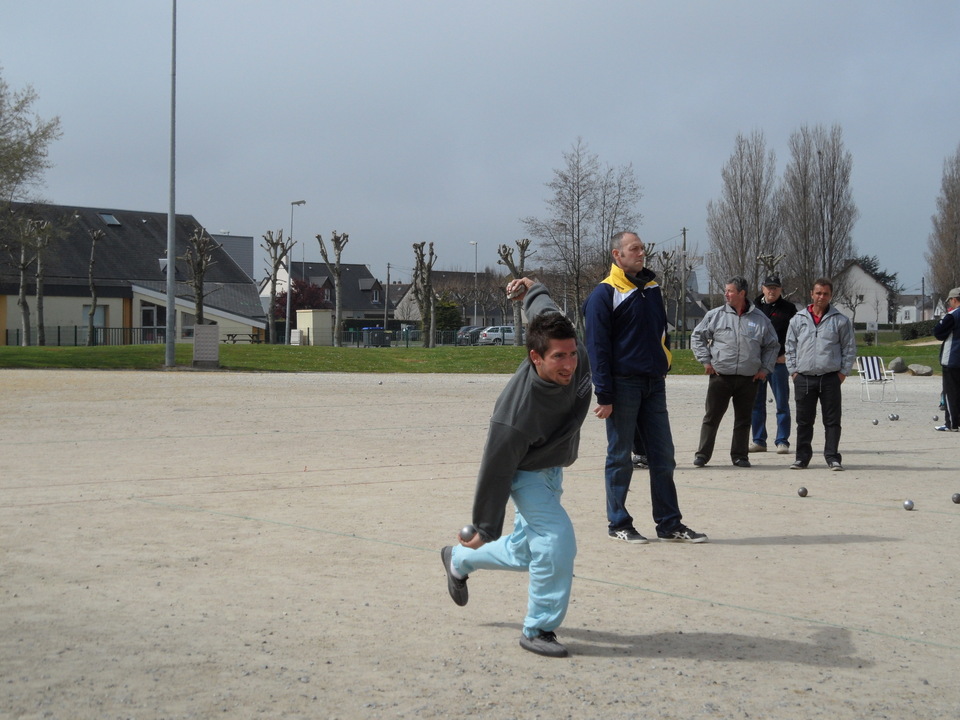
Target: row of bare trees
800,225
588,202
943,245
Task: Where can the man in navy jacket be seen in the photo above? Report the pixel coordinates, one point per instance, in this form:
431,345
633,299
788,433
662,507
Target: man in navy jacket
946,330
629,355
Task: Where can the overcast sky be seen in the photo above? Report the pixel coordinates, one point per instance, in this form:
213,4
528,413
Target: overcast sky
400,121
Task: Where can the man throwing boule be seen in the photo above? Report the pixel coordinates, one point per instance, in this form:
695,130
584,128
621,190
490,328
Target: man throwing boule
534,433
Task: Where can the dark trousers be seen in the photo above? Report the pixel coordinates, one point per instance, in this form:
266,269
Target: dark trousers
808,391
951,396
721,389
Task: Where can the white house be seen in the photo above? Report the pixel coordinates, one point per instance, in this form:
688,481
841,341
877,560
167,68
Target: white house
860,296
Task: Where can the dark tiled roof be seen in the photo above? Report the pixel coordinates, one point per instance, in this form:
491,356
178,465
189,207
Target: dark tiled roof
129,254
357,284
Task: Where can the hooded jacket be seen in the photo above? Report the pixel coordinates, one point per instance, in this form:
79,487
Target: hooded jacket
814,349
736,344
535,425
626,330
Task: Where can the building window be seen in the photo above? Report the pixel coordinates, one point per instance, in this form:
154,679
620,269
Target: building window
109,219
153,322
99,316
187,321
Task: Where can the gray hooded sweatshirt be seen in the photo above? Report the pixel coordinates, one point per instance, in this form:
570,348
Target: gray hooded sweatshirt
535,425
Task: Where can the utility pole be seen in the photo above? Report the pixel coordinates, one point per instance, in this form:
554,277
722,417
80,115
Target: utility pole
386,300
683,292
923,298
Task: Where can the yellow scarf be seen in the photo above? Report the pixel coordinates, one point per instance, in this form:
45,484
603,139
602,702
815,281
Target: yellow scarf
619,281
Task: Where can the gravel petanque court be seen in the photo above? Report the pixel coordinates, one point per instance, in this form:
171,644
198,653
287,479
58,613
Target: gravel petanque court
205,544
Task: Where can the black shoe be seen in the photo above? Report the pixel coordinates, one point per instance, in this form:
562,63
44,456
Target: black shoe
835,466
629,534
699,461
456,586
640,462
544,644
798,465
741,462
681,533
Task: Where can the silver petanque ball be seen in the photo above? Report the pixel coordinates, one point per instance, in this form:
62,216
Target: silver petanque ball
936,417
802,491
908,504
876,422
956,498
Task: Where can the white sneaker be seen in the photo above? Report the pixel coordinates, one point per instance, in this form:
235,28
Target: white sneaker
783,449
756,448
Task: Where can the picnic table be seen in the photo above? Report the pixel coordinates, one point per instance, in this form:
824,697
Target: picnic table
242,337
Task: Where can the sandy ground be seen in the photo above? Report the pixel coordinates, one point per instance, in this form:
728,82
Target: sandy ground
203,544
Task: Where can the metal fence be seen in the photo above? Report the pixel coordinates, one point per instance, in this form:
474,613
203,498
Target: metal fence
76,336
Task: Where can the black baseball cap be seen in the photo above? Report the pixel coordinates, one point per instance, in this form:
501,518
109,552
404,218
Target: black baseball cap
772,281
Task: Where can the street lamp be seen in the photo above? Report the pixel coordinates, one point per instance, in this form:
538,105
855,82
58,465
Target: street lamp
289,268
475,246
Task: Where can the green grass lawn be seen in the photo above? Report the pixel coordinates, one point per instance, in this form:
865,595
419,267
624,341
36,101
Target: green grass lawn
282,358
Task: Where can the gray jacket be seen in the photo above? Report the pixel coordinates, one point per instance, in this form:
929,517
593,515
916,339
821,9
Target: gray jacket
820,349
736,344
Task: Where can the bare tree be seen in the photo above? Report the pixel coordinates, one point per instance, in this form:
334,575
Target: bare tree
423,290
199,258
518,270
339,242
617,196
851,297
818,208
24,142
25,257
42,235
943,245
744,224
95,235
588,203
277,250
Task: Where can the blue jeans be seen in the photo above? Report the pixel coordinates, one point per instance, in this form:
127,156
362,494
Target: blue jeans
780,387
641,402
542,542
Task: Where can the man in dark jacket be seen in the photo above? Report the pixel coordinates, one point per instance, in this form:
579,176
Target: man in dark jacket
946,330
772,304
627,342
534,433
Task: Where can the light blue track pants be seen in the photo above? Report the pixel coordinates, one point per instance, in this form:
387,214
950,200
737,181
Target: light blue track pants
542,543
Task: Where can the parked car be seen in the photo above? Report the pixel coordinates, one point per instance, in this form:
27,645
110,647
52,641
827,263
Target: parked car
497,335
467,335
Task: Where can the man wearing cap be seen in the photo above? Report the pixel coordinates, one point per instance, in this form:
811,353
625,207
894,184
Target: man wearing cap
779,310
946,330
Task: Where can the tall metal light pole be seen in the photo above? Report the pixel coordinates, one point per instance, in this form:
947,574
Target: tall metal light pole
289,267
171,329
475,246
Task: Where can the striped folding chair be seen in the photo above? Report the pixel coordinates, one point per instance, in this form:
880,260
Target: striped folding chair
874,375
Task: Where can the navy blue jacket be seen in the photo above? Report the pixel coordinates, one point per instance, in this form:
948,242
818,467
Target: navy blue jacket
946,330
626,330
